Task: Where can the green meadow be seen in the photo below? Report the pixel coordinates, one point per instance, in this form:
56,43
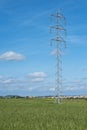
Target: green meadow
43,114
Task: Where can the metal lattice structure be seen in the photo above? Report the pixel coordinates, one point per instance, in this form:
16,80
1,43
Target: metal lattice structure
60,32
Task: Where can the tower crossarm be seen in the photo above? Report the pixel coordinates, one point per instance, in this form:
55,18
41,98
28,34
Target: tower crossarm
58,39
58,16
57,27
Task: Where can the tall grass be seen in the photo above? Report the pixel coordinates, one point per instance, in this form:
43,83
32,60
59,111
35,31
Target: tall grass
42,114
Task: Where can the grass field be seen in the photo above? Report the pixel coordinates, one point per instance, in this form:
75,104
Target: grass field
42,114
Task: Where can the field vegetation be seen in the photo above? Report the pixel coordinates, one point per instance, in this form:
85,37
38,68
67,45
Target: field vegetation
43,114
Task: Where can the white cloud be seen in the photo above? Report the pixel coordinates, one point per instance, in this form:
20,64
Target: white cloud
52,89
72,88
37,76
37,79
10,55
7,80
76,88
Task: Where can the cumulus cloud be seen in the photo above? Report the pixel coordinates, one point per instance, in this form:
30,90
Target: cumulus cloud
37,79
10,55
52,89
7,80
75,88
37,76
72,88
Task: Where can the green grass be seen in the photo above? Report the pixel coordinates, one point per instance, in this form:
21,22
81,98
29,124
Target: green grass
42,114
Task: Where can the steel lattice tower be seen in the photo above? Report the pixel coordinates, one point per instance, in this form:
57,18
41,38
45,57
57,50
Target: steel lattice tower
59,39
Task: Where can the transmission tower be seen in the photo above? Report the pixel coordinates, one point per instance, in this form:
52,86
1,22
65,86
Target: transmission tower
60,32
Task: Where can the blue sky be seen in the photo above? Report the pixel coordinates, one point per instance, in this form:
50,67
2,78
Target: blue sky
27,61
